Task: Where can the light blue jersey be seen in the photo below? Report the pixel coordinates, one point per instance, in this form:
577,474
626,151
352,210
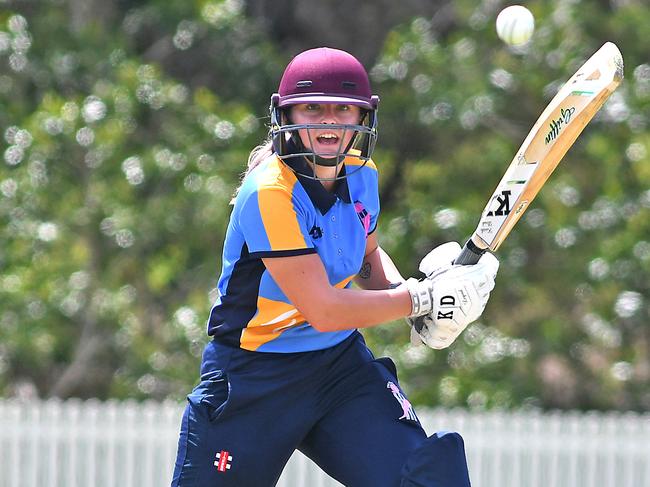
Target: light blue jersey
280,213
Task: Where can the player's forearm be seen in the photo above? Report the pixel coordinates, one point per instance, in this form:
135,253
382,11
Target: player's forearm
343,309
378,271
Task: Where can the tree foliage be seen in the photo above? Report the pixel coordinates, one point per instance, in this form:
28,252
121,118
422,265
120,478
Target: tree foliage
125,134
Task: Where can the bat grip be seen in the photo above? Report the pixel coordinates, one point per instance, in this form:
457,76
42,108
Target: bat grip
470,254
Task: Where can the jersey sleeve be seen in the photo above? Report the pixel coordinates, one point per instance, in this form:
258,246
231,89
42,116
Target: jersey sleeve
273,224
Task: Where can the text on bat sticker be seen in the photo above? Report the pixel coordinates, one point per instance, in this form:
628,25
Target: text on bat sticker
558,124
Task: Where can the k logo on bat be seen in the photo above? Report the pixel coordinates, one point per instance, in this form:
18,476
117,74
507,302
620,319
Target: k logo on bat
504,204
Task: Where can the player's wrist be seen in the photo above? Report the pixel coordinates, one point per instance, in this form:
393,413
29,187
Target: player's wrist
420,293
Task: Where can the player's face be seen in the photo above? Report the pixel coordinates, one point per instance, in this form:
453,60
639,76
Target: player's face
326,141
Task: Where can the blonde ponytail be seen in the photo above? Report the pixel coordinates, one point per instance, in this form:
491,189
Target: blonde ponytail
257,155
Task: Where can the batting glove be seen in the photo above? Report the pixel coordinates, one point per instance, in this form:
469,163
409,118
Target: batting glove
434,263
450,299
439,258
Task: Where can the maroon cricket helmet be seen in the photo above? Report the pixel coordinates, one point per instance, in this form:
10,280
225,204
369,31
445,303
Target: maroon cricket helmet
326,75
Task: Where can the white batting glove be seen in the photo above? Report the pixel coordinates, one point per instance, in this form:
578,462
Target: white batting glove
439,258
434,263
457,296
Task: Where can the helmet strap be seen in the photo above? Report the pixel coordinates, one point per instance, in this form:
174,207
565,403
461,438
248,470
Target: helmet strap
292,145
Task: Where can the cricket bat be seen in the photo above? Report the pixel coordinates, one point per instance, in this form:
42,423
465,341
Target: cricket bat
553,134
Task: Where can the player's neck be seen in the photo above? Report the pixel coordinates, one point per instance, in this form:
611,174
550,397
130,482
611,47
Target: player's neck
326,175
329,185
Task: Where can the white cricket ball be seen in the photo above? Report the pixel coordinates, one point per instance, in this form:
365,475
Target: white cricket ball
515,25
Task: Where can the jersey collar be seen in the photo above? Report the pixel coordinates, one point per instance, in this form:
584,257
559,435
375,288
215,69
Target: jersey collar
320,197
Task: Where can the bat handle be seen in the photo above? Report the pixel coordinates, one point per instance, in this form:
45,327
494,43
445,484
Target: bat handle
470,254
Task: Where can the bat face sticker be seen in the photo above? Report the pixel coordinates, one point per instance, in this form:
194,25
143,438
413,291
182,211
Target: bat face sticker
501,204
556,125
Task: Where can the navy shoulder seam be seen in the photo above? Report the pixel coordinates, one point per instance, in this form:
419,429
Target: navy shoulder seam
283,253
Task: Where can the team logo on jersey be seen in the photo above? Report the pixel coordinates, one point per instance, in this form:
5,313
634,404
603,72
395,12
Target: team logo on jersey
223,460
316,232
363,215
407,408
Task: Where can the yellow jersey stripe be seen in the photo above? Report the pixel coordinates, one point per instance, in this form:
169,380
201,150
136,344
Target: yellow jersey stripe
277,210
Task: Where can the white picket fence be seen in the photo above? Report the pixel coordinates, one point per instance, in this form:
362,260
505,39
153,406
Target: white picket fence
128,444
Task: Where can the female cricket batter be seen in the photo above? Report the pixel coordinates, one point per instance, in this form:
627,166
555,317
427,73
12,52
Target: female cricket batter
287,368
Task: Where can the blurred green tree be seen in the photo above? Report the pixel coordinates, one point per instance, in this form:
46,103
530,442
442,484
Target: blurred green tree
115,187
126,126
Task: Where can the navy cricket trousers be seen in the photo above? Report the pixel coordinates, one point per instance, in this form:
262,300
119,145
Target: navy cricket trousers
340,406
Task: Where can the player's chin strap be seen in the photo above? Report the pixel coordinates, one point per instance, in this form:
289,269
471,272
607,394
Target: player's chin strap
287,142
315,158
293,147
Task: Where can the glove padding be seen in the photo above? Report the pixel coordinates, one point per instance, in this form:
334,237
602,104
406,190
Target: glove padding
459,295
439,258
